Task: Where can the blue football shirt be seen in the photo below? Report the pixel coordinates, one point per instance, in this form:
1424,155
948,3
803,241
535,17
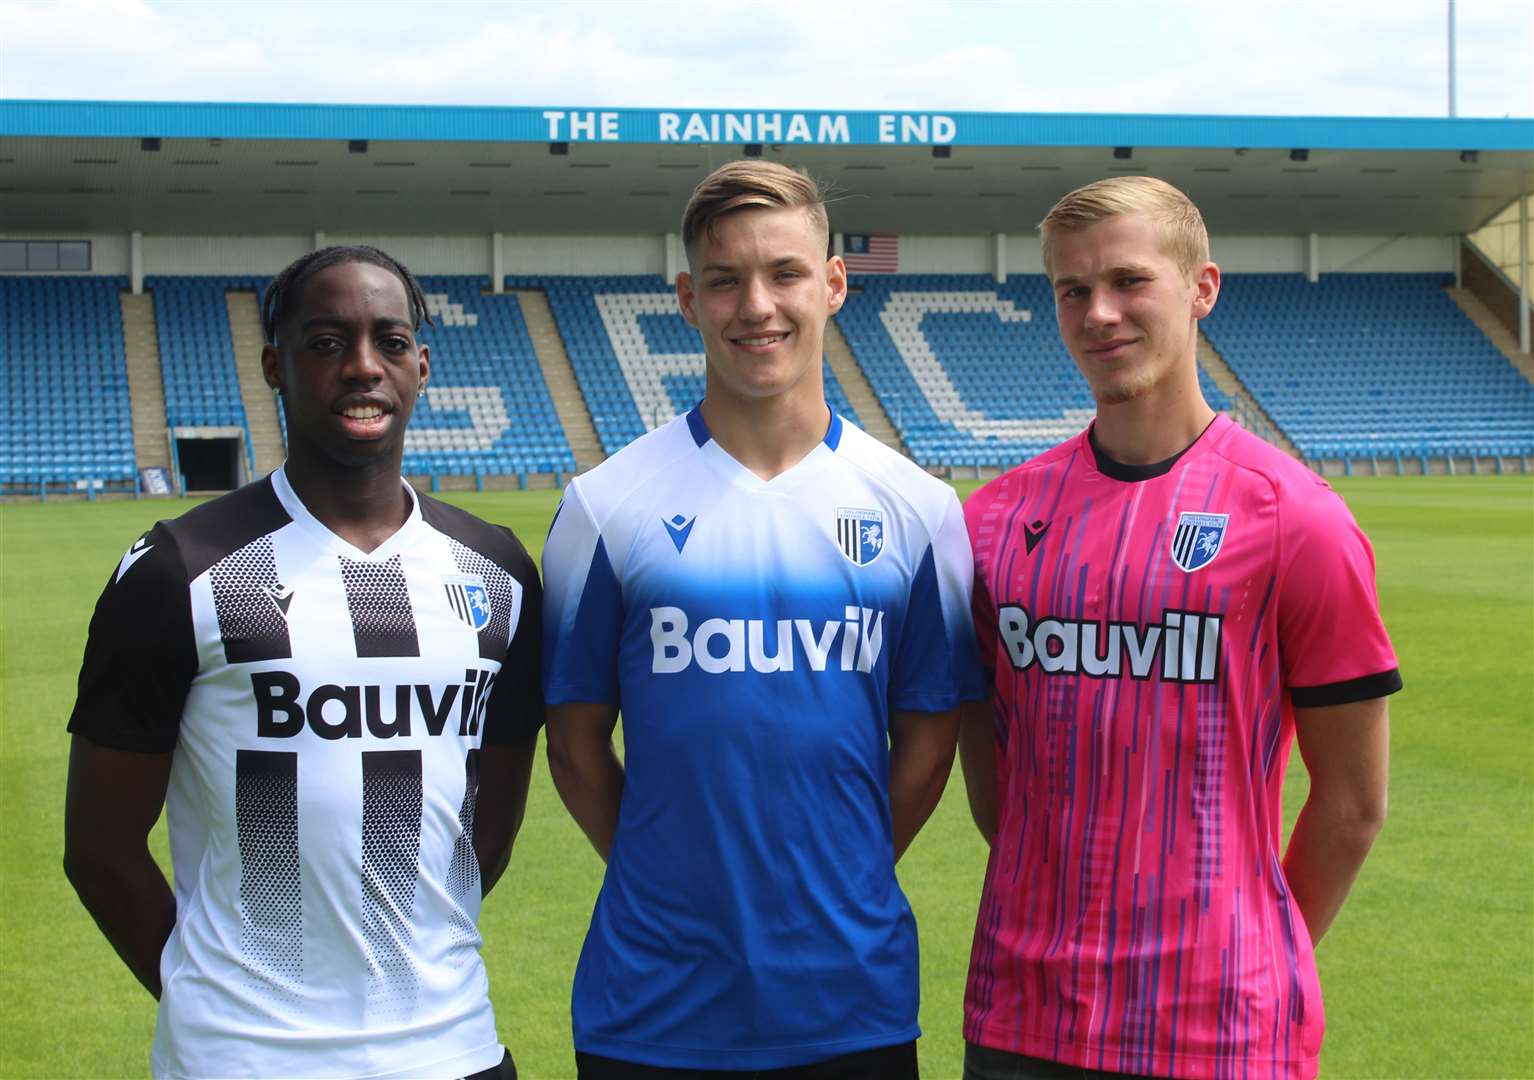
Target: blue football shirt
756,635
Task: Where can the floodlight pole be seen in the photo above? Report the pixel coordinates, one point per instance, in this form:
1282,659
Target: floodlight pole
1452,110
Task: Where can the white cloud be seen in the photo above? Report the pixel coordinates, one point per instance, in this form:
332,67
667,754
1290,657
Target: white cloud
1303,57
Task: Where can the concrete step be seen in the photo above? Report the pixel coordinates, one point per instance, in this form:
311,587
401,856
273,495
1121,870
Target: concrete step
260,402
569,403
146,381
1244,407
860,395
1496,332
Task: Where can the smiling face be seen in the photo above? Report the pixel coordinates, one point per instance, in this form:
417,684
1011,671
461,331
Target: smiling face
349,367
759,292
1127,312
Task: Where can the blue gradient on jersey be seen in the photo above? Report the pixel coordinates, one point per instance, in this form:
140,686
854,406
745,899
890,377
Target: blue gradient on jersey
750,917
760,912
758,923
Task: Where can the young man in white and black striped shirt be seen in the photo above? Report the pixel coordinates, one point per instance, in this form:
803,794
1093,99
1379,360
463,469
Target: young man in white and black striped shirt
331,684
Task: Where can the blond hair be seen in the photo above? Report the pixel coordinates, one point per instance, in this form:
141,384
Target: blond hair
738,185
1183,236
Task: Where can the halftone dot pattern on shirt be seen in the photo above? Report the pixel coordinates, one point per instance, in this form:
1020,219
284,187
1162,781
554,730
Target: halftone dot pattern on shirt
250,621
271,886
382,620
391,846
463,871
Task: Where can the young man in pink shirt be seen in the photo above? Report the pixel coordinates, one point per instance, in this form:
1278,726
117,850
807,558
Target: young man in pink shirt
1162,603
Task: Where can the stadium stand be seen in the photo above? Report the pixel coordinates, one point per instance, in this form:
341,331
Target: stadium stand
66,422
1367,366
970,371
637,361
487,410
202,388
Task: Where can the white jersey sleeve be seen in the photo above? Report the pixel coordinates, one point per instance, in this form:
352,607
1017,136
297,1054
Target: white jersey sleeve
938,663
583,608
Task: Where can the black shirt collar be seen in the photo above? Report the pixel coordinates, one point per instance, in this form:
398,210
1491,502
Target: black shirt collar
1133,474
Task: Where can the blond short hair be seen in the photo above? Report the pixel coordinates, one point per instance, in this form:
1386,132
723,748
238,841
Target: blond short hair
739,185
1183,236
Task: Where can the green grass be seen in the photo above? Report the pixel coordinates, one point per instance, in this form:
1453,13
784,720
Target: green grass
1429,972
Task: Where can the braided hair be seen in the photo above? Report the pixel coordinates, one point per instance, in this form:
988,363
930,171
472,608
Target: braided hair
283,291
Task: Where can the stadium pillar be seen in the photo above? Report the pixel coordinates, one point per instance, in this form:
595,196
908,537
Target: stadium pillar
136,262
1523,274
1000,240
319,239
671,245
838,244
1459,260
1313,259
497,264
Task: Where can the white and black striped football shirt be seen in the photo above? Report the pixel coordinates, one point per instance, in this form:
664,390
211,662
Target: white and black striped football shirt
325,707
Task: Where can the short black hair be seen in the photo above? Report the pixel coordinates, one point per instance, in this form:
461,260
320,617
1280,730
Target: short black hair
283,291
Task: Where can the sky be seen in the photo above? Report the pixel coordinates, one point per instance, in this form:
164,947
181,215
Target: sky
1276,57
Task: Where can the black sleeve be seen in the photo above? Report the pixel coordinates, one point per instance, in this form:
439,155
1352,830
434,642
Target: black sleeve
515,710
141,652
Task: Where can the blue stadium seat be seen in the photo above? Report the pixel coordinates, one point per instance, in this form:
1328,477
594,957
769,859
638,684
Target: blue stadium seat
202,387
1371,366
637,361
971,371
65,418
487,409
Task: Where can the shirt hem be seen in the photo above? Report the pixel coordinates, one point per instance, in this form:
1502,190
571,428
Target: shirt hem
781,1057
121,740
939,702
449,1068
1153,1063
565,694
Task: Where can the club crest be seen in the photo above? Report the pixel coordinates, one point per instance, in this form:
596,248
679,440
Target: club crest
860,534
1197,539
469,599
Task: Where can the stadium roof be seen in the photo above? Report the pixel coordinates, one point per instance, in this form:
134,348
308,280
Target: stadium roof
267,168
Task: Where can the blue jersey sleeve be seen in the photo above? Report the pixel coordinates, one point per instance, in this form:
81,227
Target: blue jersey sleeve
938,662
582,609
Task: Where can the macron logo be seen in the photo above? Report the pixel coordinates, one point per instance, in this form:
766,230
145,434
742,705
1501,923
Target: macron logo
135,553
679,528
1032,534
279,594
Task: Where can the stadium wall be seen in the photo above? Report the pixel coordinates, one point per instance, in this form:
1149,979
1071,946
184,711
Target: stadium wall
585,256
428,254
947,255
600,256
217,255
1387,254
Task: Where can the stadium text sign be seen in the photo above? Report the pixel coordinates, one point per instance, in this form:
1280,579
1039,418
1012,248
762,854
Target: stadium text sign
576,125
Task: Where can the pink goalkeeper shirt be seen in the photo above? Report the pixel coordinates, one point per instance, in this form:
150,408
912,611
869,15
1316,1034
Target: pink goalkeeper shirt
1149,631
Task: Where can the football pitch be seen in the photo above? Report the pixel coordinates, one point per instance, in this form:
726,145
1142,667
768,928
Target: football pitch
1429,971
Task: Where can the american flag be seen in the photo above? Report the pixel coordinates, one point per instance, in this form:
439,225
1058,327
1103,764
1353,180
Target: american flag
871,253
